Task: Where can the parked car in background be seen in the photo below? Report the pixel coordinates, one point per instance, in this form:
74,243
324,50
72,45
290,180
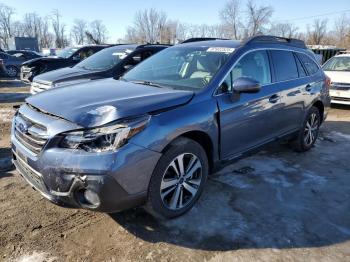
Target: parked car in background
67,57
24,54
109,62
3,72
152,137
12,64
338,69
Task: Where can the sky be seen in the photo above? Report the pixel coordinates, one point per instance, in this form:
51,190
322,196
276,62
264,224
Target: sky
118,15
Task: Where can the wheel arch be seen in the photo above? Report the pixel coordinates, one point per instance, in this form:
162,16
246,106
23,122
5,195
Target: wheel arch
320,106
201,138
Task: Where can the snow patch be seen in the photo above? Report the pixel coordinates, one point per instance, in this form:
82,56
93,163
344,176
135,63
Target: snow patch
6,114
36,257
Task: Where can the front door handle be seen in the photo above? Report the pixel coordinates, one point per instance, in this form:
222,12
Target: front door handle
274,98
308,88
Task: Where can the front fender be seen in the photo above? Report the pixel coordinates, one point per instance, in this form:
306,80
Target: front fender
167,126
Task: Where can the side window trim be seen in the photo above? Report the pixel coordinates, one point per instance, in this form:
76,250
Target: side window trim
297,59
216,90
272,67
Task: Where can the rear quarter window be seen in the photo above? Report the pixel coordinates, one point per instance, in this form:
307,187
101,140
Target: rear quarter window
308,63
284,65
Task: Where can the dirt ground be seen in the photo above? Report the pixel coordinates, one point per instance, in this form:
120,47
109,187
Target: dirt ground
277,205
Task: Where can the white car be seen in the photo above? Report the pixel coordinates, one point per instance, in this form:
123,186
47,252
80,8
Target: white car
338,70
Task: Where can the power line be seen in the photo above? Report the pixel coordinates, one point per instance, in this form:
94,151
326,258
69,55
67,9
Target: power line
314,16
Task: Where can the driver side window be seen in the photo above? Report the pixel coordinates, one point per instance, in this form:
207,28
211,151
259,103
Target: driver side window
254,65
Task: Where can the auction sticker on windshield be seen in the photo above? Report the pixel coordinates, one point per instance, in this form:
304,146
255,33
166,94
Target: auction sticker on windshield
220,49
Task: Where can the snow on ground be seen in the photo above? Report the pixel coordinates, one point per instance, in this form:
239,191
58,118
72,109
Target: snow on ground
36,257
6,114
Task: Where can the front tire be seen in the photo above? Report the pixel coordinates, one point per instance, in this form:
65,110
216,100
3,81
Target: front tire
11,71
178,179
308,134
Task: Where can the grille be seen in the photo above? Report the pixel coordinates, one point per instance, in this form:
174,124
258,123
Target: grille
30,134
29,174
341,98
340,86
37,87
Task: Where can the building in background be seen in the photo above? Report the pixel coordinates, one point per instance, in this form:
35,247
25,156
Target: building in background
24,43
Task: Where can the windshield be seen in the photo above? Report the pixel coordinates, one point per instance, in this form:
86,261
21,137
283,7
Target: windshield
181,67
67,52
338,64
105,59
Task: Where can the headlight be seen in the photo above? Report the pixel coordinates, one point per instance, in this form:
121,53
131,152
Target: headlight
67,83
105,138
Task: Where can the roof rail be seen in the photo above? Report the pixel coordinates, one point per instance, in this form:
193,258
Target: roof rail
270,39
155,44
198,39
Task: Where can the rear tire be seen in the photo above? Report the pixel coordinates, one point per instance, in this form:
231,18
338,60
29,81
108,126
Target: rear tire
308,134
178,179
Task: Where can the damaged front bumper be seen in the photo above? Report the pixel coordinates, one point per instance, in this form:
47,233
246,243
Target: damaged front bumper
106,182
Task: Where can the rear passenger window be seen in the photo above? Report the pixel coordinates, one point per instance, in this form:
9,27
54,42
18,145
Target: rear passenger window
309,64
284,64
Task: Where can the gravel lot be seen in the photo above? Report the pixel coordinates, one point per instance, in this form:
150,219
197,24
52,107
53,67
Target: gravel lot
277,205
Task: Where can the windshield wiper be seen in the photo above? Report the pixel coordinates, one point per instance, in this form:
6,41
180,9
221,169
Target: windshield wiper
147,83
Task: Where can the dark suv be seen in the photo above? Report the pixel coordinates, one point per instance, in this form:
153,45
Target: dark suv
152,137
109,62
66,57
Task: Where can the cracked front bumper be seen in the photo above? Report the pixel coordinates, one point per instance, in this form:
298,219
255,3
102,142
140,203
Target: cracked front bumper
120,179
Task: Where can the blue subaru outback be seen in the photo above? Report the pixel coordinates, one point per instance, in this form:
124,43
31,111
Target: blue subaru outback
152,137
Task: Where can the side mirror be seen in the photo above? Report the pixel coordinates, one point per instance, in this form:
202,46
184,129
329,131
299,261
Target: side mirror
245,85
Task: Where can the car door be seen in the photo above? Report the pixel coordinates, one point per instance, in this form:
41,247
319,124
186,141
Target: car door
248,120
290,79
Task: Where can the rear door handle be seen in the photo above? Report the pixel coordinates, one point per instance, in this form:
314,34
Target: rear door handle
274,98
308,88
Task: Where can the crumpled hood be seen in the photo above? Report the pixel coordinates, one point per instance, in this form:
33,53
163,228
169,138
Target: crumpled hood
102,101
65,74
53,59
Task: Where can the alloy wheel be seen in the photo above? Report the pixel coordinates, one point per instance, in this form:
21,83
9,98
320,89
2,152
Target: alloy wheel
181,181
311,129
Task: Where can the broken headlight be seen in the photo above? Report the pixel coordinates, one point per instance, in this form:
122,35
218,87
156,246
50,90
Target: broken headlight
104,138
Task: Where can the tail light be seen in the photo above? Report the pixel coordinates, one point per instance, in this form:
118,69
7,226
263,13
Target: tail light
327,82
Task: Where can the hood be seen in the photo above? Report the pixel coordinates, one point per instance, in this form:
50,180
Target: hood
338,76
102,101
65,74
47,59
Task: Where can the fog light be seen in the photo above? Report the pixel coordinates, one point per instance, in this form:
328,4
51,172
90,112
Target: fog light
91,197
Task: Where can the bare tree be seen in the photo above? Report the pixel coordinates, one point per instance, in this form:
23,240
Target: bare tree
59,29
284,30
258,17
317,33
98,33
231,19
46,37
148,26
6,15
342,31
78,31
